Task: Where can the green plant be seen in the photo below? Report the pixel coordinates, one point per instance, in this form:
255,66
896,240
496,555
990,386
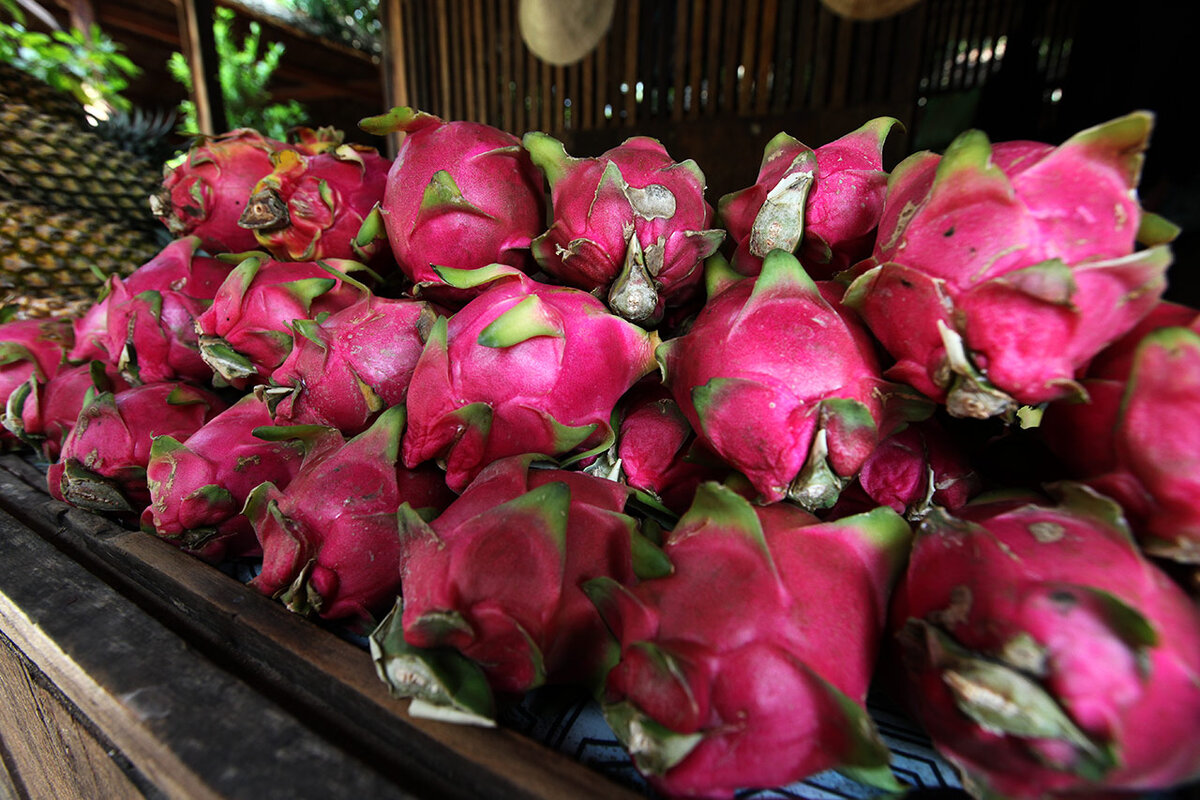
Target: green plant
88,65
244,75
355,22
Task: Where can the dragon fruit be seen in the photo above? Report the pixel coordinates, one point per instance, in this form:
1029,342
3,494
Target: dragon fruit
999,271
245,334
176,268
748,665
32,348
460,194
632,223
781,382
822,205
1045,655
342,372
102,466
331,540
204,195
41,413
496,578
517,371
1136,439
313,207
199,485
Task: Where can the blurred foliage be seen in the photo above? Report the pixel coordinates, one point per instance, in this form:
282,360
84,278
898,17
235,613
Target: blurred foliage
353,22
244,76
87,65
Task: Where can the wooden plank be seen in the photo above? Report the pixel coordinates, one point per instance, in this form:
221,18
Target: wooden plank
822,58
606,56
746,69
586,108
804,67
465,51
328,681
52,752
907,61
698,58
508,48
200,50
630,75
681,56
731,53
194,730
789,53
711,90
395,68
486,76
843,52
558,95
768,70
442,26
884,60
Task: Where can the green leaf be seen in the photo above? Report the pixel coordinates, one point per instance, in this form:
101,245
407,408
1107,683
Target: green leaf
529,318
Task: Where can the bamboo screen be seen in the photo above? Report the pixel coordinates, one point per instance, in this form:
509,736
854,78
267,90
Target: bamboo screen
674,60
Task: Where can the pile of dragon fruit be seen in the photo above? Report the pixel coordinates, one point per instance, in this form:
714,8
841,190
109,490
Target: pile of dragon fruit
541,419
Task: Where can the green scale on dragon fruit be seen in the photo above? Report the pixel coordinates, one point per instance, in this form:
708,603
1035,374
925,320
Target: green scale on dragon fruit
631,225
331,540
492,598
246,333
999,270
321,205
748,665
346,369
779,380
1136,438
523,368
821,205
102,466
199,484
1045,655
460,195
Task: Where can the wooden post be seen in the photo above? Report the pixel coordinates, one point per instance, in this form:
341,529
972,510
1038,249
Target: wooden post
200,48
395,71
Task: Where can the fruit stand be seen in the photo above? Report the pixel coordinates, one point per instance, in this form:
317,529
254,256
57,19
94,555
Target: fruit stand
520,442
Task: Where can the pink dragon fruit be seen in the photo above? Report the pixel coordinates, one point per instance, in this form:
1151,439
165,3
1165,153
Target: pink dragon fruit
102,466
199,485
656,449
822,205
176,268
32,348
516,371
331,541
206,193
781,382
999,271
313,207
245,334
496,579
1136,439
632,223
342,372
748,665
42,413
1045,655
459,194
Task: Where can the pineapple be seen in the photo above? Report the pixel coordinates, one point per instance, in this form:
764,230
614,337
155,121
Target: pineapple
73,207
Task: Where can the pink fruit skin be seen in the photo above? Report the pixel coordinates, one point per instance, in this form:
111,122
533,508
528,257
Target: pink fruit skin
596,206
658,449
498,209
206,194
472,403
198,485
344,371
111,441
52,408
31,348
1135,439
327,197
254,307
768,363
1022,249
496,563
176,268
744,644
330,541
843,206
1116,642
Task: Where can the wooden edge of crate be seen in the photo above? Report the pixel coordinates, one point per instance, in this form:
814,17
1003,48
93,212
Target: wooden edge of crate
328,683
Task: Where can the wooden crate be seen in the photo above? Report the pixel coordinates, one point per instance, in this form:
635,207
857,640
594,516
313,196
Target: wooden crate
129,669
